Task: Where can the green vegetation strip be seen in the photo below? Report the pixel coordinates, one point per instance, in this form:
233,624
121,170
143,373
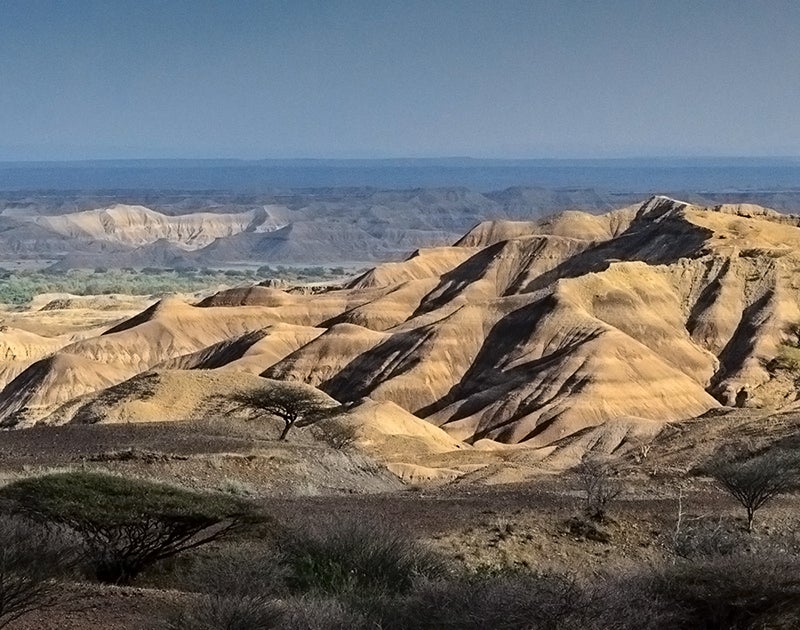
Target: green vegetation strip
18,288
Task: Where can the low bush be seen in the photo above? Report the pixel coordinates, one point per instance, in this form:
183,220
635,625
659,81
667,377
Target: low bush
599,488
216,612
235,586
240,587
706,539
356,557
629,601
374,589
732,591
338,436
506,601
324,614
588,529
238,570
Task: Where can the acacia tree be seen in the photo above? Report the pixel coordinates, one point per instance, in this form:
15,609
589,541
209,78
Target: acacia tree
127,524
755,481
296,405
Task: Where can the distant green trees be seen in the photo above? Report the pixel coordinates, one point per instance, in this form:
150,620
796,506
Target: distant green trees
20,287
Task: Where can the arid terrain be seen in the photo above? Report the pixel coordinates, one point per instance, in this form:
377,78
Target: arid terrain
471,383
357,315
478,525
661,310
149,228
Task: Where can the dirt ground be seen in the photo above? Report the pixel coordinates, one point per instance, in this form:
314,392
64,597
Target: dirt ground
485,529
475,526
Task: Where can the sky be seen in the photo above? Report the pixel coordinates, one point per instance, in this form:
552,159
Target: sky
99,79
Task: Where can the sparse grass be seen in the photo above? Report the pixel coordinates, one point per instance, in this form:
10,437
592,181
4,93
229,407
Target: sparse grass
234,612
788,358
135,455
237,488
316,613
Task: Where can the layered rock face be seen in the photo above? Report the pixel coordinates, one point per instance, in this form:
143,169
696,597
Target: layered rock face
529,332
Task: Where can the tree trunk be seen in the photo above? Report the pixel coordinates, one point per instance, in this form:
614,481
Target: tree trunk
750,514
285,432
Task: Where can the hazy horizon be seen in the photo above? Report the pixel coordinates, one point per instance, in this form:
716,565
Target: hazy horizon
534,79
648,176
456,160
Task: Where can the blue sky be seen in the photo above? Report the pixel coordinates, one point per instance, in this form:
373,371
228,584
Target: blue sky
84,79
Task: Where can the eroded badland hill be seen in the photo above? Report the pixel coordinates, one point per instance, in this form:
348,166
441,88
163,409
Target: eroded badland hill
566,334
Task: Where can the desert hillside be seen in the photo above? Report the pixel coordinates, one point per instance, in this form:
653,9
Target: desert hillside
576,330
137,225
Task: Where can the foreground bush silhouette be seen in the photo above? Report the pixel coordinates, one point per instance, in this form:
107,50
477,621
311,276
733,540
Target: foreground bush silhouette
324,614
741,591
734,591
237,587
31,561
127,524
508,600
744,591
213,612
253,613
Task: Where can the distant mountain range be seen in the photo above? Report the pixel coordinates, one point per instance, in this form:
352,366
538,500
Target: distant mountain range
325,226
